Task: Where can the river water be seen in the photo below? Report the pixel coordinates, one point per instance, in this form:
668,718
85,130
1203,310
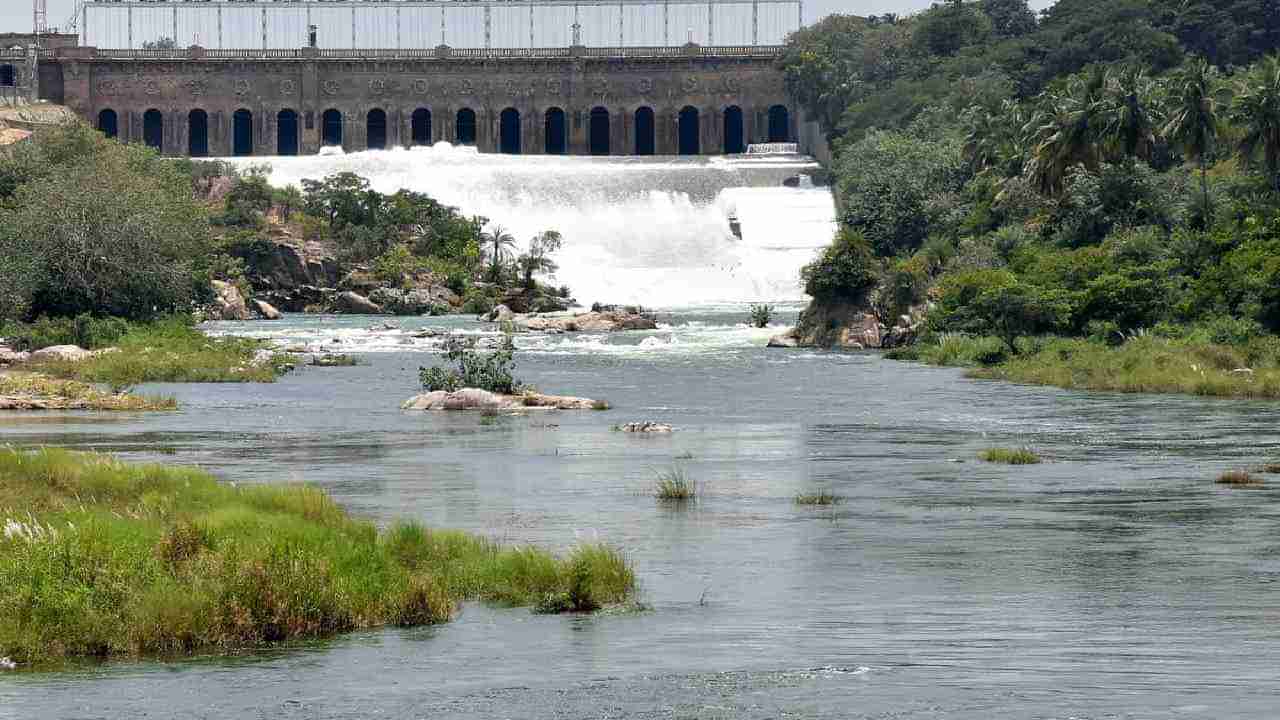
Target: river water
1116,580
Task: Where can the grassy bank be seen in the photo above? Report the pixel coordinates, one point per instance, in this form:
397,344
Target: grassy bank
1145,364
31,391
101,558
169,350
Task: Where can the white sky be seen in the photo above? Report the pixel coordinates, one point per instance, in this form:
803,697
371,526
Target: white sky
15,15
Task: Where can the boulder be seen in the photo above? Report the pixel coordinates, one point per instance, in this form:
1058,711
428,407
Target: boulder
475,399
276,266
594,321
228,303
785,340
266,310
62,353
303,298
842,325
500,314
353,304
9,356
419,301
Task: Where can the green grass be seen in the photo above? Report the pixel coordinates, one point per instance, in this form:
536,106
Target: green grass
100,558
22,390
1239,478
1144,364
334,360
1010,456
673,485
822,497
171,351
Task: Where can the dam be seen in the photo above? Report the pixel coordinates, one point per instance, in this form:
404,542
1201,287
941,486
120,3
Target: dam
637,89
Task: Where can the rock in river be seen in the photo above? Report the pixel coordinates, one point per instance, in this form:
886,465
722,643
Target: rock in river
474,399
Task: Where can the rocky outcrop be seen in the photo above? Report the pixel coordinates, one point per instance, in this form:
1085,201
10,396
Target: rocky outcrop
228,303
286,263
593,322
61,353
353,304
474,399
436,300
500,314
644,427
265,310
9,356
534,300
850,326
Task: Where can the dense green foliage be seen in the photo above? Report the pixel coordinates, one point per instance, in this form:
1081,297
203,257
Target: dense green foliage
1109,167
100,558
89,225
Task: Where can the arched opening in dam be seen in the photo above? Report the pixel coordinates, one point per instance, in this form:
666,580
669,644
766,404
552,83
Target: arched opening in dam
420,127
646,132
109,124
198,133
509,132
331,128
376,129
153,129
779,124
556,142
690,131
465,127
287,132
734,131
8,76
242,133
599,131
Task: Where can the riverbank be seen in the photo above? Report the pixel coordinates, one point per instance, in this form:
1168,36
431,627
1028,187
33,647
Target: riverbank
33,391
1145,364
101,558
121,354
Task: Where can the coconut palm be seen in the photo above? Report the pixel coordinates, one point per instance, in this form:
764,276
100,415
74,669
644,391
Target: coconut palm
1066,131
500,245
1131,114
1256,109
1194,116
993,140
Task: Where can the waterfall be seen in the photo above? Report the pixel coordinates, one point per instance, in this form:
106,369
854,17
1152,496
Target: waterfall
654,231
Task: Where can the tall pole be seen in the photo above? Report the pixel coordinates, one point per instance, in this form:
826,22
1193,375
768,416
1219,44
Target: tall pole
219,27
442,25
175,26
755,22
264,27
488,27
129,19
398,27
531,40
309,25
666,23
711,24
353,27
622,35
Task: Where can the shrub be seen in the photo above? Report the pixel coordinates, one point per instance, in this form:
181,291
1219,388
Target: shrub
761,315
844,271
491,371
674,485
84,330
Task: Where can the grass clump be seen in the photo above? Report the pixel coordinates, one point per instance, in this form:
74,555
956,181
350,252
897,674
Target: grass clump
1239,478
1011,456
100,558
33,391
674,486
334,360
172,350
822,497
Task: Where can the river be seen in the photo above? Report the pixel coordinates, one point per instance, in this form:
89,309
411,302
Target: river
1116,580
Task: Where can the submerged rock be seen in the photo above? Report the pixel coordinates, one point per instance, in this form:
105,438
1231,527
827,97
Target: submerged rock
644,427
785,340
475,399
595,321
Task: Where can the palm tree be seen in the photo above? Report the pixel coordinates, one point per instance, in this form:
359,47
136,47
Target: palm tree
1130,129
501,244
1066,131
993,140
1256,109
1193,120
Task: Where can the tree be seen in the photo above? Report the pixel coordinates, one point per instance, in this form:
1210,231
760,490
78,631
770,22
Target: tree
844,272
1131,122
538,259
1018,310
130,247
1009,18
1256,110
1066,131
1194,116
498,243
164,43
341,199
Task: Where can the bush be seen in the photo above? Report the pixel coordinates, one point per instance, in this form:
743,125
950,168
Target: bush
761,315
845,271
84,330
493,371
1011,456
674,486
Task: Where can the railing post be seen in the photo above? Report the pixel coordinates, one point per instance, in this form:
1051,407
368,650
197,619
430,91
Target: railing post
488,24
711,24
755,22
666,23
264,27
129,19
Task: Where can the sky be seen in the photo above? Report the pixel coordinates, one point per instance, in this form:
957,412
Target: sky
15,15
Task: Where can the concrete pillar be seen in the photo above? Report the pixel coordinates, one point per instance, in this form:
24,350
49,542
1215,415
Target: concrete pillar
579,122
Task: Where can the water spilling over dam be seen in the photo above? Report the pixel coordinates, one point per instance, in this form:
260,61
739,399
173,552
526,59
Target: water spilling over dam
653,231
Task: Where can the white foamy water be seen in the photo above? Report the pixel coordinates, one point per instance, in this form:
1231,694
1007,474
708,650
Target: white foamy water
651,231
